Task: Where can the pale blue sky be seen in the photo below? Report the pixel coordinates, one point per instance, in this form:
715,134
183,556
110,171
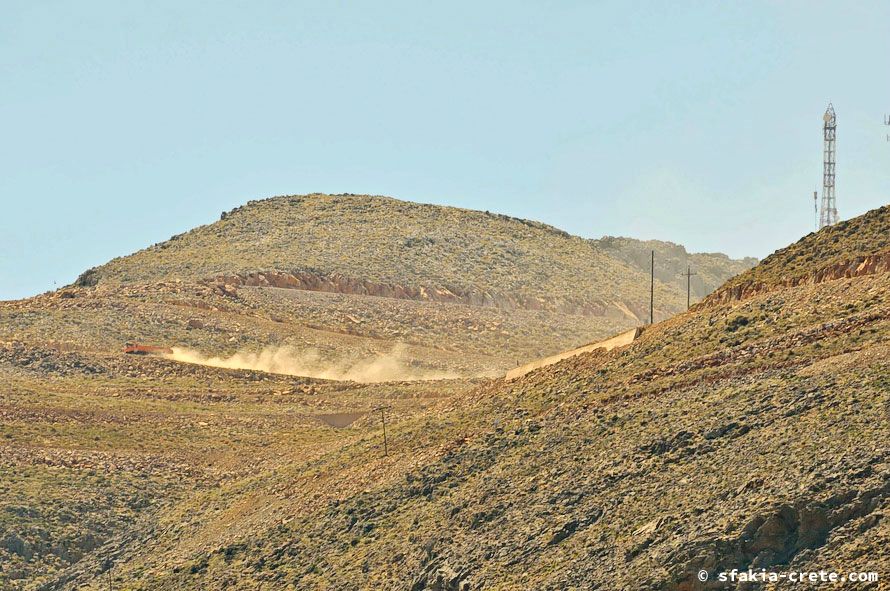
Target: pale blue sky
698,122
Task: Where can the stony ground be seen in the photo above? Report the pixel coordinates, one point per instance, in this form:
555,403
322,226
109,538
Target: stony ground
96,446
712,443
752,431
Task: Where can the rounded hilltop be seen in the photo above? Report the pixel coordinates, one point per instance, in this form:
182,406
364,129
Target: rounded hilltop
383,240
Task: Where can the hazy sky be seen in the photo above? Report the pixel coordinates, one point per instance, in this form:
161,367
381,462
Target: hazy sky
697,122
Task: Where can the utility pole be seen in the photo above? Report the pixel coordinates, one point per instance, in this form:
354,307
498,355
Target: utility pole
652,291
816,210
688,274
382,410
887,122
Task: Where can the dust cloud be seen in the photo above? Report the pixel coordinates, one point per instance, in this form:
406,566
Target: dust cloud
389,367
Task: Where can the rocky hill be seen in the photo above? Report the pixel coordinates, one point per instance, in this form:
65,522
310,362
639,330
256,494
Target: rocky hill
348,278
367,245
860,246
749,432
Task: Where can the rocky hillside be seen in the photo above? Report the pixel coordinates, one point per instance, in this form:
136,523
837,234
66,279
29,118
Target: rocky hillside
710,269
99,448
851,248
349,278
367,245
746,433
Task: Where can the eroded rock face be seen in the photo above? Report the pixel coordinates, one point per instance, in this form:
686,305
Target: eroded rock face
857,267
442,577
773,538
335,283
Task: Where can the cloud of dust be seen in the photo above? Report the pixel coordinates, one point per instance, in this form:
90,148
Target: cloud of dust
389,367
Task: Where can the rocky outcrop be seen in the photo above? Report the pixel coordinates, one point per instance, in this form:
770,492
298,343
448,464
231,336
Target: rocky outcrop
88,278
773,538
45,360
728,356
336,283
857,267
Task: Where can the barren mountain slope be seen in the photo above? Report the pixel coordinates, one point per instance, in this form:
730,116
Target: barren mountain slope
750,432
95,446
852,247
347,279
98,447
382,246
709,269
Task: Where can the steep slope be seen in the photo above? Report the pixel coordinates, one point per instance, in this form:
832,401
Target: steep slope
742,434
860,246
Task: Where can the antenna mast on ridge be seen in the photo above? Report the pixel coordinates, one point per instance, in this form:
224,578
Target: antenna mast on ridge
828,215
816,209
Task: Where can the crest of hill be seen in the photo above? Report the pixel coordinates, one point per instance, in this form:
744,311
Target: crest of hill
387,241
857,246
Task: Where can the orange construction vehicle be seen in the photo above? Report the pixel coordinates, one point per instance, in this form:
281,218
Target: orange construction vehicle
137,349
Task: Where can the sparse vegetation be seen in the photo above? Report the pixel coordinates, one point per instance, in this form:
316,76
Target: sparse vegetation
393,242
745,433
846,243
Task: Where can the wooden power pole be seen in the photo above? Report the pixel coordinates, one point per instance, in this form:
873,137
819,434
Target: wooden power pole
383,420
688,274
652,291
